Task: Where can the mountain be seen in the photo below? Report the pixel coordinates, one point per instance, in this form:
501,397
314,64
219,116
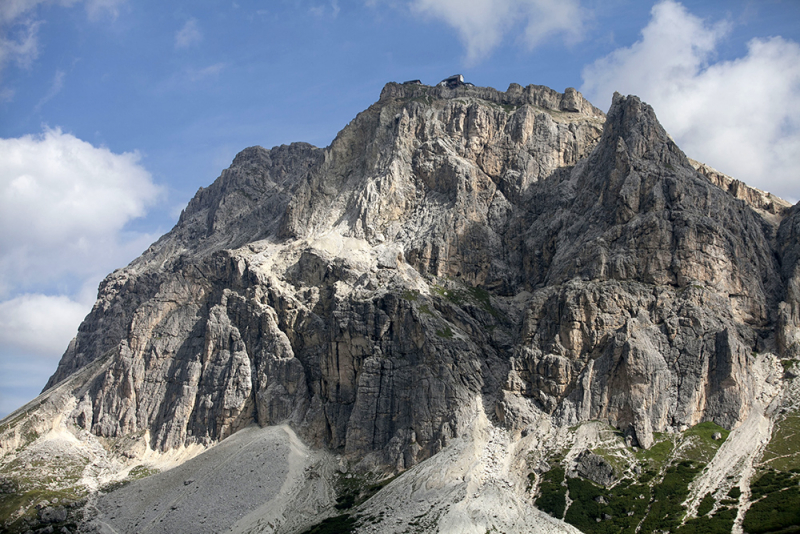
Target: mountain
474,311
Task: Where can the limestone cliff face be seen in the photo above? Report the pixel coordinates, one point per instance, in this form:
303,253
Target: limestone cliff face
789,311
517,248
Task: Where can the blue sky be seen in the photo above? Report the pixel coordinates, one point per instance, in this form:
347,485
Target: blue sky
114,112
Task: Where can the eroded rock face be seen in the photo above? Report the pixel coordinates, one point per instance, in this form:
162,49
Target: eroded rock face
450,245
595,468
788,331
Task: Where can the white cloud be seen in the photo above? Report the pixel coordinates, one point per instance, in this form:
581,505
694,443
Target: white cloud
63,207
40,325
11,10
189,35
740,116
21,46
546,18
482,24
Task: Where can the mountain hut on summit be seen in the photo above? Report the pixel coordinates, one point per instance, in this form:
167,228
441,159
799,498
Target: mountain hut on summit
456,80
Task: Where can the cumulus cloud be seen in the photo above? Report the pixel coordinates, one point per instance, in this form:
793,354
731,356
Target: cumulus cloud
40,325
63,207
741,116
482,24
189,35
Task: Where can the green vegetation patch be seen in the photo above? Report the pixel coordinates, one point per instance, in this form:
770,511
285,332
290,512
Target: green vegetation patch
425,309
484,300
11,504
657,455
508,108
775,494
456,296
721,522
653,502
706,505
647,476
8,425
586,507
666,510
770,482
598,510
114,486
476,295
618,462
410,295
627,506
355,490
622,508
783,451
445,333
137,473
340,524
141,471
30,483
552,494
706,430
701,445
777,504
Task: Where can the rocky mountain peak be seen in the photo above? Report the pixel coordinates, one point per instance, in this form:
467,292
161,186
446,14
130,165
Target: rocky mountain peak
635,123
526,190
460,265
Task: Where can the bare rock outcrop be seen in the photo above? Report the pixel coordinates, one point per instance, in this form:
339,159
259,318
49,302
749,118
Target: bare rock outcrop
595,468
788,331
762,201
